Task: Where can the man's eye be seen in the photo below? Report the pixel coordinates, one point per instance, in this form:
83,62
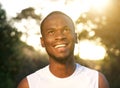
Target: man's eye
66,30
51,32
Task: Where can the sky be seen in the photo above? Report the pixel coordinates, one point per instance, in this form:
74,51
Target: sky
73,8
13,7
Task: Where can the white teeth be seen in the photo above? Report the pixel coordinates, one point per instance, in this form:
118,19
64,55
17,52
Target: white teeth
58,46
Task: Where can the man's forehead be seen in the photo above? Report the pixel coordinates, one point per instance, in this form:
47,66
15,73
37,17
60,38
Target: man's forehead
57,15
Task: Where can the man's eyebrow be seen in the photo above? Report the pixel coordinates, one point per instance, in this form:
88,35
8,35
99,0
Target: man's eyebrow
65,26
49,28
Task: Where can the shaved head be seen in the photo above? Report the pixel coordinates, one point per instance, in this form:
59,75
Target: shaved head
55,13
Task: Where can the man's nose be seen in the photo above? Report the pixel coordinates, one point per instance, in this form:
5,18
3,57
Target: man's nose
60,35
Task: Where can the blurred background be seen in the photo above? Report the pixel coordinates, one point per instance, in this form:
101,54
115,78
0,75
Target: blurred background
97,25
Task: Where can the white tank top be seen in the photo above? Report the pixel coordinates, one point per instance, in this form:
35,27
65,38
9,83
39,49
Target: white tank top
83,77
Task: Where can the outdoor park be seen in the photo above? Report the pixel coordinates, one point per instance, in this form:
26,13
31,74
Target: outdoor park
98,32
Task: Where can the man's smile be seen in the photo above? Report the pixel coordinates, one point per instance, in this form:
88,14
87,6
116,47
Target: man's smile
60,46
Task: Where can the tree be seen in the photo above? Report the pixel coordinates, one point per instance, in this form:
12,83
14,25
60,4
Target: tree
107,29
110,37
17,59
9,39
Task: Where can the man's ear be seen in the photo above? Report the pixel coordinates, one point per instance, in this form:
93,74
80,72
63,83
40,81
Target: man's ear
42,41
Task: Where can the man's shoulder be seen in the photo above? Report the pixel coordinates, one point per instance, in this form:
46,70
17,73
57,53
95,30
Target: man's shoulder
86,69
38,73
23,84
92,73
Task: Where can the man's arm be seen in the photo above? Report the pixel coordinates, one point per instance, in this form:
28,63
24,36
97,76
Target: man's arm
103,83
23,84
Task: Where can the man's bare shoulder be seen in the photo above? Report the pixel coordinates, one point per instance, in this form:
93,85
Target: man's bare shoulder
103,83
23,84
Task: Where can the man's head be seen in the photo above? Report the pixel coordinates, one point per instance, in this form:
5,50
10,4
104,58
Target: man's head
58,35
55,13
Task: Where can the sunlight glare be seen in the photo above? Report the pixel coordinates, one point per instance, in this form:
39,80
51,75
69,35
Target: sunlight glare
99,5
75,8
90,50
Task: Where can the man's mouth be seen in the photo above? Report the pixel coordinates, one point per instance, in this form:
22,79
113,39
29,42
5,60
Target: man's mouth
60,46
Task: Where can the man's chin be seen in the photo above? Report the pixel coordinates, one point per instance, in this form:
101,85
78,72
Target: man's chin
61,59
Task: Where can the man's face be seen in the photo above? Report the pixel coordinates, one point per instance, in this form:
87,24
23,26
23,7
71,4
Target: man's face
58,36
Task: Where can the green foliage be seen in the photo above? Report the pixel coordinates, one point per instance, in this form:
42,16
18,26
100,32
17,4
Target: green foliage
9,39
28,12
17,59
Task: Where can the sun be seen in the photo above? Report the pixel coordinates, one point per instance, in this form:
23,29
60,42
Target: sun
90,50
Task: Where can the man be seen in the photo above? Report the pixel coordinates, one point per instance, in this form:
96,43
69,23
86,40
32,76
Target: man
59,38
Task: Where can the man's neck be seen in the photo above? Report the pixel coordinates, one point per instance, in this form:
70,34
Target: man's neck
62,70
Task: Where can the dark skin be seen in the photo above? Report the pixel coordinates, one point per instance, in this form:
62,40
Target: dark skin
59,38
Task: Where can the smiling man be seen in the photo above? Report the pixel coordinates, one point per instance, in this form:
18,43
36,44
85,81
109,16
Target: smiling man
59,38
